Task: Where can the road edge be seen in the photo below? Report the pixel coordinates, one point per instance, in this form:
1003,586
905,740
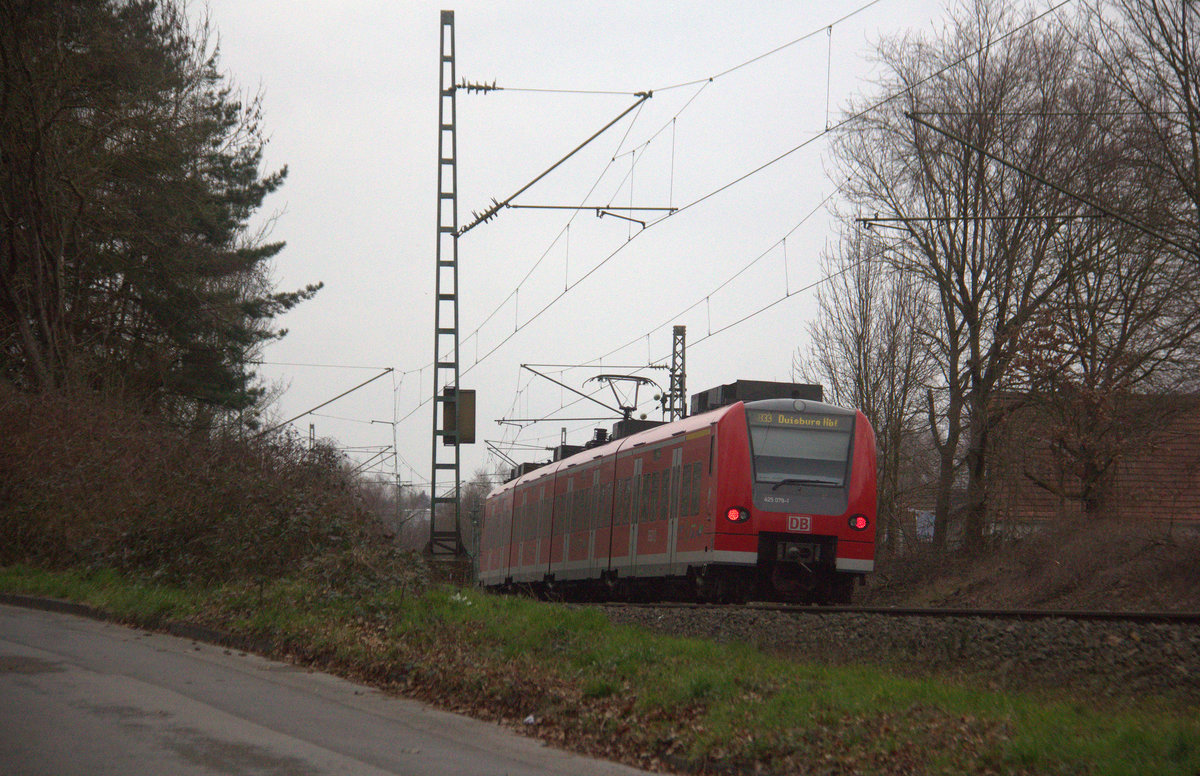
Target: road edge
185,630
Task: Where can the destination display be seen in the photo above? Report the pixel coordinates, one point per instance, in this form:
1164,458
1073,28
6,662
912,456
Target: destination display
797,420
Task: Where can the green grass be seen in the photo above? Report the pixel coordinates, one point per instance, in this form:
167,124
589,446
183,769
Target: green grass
591,683
103,590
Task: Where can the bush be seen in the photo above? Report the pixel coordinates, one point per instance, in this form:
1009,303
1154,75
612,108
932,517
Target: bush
86,483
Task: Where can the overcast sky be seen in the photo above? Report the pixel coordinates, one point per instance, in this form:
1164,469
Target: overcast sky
350,106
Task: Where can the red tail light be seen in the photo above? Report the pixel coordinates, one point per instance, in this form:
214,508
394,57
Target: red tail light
860,523
737,515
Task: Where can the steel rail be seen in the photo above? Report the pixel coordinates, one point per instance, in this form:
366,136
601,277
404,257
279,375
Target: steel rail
1175,618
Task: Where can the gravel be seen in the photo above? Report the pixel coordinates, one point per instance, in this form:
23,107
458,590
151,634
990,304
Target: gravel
1121,660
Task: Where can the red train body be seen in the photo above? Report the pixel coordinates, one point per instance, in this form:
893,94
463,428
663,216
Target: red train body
769,500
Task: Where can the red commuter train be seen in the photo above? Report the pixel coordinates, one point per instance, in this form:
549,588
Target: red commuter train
765,500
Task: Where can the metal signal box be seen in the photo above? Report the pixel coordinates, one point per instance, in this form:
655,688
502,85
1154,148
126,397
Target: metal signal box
458,416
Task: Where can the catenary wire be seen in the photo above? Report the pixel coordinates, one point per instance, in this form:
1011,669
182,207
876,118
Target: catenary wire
847,120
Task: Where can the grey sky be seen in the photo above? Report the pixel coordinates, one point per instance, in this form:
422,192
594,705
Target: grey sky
351,108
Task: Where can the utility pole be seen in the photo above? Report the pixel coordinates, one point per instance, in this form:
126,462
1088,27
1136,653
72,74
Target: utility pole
445,540
453,407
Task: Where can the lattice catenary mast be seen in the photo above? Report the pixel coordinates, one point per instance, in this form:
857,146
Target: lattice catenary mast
445,539
676,404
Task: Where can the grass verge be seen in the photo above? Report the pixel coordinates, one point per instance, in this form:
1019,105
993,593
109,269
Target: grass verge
570,677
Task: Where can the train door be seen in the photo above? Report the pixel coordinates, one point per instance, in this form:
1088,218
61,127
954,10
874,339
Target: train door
518,546
567,523
506,522
592,522
673,505
652,541
608,515
635,514
558,522
581,497
623,515
546,497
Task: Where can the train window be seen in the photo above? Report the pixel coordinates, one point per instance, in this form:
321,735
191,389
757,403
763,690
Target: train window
677,491
652,480
588,516
672,479
655,495
647,498
806,450
664,482
672,499
689,488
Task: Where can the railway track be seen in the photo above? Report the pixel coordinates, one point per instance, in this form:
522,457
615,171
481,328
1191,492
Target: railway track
1173,618
1116,654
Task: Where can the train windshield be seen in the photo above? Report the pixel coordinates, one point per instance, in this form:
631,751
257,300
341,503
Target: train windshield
794,449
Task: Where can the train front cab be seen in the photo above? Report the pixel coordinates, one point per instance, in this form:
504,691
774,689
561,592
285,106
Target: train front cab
796,501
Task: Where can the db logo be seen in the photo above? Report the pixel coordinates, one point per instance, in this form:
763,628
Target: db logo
799,524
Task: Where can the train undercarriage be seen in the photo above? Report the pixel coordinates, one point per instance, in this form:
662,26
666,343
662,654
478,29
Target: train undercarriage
789,569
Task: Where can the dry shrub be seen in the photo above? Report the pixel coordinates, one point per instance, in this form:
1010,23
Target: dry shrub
87,483
1101,563
1108,563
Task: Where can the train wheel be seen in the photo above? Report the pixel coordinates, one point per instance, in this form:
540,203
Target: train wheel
610,587
699,584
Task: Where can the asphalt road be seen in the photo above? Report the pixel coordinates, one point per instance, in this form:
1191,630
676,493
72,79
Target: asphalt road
79,696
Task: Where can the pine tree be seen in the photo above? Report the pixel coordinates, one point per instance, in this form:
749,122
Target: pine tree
129,170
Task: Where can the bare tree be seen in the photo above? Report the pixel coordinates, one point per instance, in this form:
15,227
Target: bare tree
1123,330
986,240
1148,50
1125,326
863,349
